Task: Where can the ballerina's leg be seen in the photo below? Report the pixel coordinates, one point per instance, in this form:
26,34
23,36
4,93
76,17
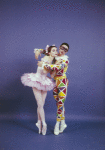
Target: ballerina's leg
38,124
39,118
40,109
44,129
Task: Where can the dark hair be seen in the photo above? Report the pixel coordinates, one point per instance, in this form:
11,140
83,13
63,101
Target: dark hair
49,50
65,44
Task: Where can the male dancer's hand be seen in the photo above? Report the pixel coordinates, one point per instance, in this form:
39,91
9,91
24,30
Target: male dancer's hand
53,73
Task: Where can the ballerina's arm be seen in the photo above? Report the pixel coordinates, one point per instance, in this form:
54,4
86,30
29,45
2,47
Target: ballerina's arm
38,52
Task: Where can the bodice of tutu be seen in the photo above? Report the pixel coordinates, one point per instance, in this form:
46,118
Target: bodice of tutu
41,72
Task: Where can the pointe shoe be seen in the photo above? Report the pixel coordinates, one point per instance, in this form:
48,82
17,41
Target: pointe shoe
39,126
56,130
62,127
44,129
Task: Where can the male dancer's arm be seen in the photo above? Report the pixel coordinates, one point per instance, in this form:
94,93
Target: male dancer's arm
55,67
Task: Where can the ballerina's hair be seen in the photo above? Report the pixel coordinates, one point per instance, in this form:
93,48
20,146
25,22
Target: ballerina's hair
49,50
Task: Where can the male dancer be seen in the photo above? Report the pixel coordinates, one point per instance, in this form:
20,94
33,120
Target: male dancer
60,91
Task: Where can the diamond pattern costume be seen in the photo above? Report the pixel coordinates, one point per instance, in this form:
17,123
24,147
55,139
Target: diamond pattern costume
60,91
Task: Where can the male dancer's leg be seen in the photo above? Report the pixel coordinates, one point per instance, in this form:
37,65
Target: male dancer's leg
59,93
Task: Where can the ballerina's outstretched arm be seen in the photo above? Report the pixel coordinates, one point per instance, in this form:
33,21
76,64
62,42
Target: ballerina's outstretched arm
38,52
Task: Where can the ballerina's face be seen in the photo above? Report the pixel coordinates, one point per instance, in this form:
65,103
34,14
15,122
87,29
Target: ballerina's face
53,52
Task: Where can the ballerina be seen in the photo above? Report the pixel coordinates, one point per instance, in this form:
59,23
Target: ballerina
40,84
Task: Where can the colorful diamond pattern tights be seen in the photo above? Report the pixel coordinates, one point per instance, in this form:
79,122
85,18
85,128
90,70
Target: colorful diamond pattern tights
59,93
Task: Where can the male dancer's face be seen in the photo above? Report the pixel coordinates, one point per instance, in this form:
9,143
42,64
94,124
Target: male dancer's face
63,50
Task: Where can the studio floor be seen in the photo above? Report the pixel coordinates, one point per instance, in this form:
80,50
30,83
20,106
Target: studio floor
79,135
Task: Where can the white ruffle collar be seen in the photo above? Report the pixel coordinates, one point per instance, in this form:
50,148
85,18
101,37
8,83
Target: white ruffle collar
65,57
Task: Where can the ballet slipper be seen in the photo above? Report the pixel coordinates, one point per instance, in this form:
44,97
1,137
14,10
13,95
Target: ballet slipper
39,126
44,129
56,130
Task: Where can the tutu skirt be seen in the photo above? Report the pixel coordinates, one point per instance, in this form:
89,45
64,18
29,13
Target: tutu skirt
40,81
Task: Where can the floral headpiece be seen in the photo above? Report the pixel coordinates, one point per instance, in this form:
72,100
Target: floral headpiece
47,48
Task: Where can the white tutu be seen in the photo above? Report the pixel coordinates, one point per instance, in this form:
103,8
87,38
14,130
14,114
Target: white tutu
38,80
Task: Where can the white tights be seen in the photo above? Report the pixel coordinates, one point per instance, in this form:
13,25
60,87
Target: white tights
40,97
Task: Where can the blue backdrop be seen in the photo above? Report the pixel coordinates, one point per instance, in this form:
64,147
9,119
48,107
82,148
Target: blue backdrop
29,24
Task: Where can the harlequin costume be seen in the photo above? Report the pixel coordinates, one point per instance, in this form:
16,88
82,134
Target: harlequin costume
60,90
38,79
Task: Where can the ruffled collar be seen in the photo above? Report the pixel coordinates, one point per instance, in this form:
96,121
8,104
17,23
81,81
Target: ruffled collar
65,57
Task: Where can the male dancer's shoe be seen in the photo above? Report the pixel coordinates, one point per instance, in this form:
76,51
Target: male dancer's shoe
62,127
